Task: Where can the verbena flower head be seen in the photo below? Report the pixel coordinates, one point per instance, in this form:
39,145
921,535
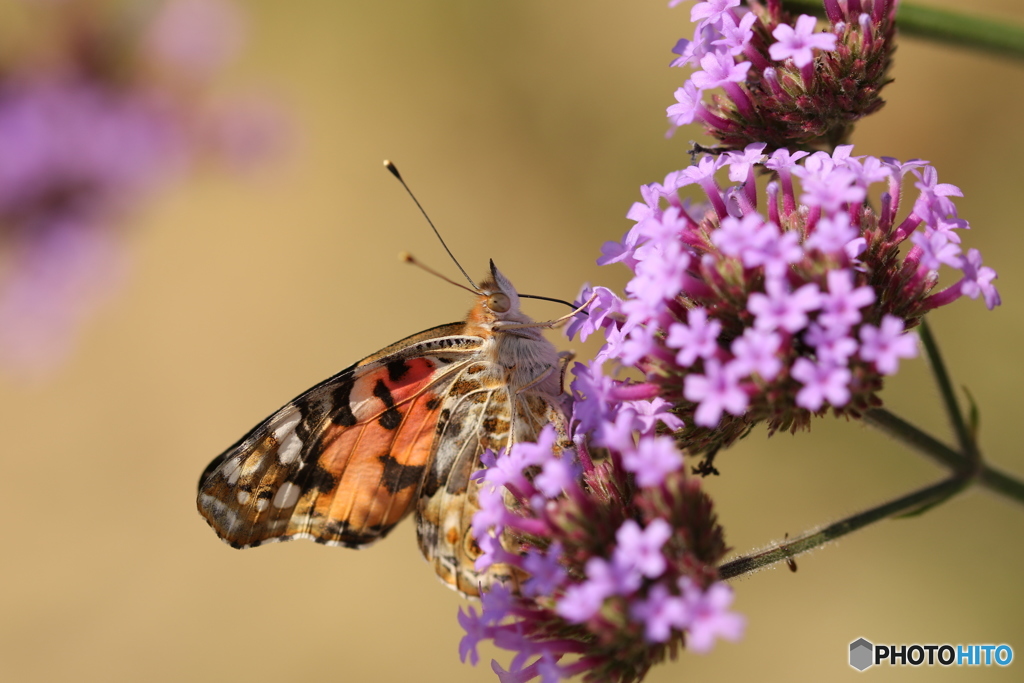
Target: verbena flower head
775,309
776,78
113,112
619,555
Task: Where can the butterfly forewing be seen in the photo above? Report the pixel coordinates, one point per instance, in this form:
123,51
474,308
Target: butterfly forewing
342,463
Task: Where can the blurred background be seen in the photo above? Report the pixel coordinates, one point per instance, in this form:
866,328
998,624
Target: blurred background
526,129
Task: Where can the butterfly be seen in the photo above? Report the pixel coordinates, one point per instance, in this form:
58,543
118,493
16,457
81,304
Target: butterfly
402,430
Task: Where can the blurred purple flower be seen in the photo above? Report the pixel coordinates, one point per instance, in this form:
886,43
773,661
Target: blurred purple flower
708,617
660,613
823,381
70,146
49,285
639,550
886,344
651,460
89,134
718,390
197,37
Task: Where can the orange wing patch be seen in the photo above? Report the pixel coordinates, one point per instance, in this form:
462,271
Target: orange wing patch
379,462
340,465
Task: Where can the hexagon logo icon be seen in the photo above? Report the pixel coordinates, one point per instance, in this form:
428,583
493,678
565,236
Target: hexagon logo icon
861,654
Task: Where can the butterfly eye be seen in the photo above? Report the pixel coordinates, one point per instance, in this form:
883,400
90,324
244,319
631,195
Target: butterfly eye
498,303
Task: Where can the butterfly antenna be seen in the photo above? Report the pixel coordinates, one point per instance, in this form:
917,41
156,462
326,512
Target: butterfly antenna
394,171
409,258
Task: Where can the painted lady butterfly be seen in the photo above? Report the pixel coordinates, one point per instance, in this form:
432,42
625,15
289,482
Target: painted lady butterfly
402,429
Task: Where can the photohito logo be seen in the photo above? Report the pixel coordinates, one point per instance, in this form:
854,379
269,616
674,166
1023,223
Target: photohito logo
864,654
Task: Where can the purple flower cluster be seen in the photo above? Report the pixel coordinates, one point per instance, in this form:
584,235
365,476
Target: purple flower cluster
109,117
619,555
748,306
785,84
737,315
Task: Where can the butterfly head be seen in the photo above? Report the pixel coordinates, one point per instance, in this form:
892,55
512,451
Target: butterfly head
498,300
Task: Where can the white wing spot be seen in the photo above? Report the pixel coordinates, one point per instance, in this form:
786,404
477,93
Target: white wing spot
262,504
243,497
287,495
285,422
289,449
232,470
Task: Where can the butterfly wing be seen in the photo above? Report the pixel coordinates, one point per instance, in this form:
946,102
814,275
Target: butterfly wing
478,413
342,463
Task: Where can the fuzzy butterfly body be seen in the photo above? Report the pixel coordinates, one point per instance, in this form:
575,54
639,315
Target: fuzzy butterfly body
400,431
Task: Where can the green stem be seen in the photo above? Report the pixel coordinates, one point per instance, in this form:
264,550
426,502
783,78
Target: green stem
905,504
1002,483
917,440
968,447
925,444
990,35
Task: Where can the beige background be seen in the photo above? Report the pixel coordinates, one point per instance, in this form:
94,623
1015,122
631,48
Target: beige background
526,128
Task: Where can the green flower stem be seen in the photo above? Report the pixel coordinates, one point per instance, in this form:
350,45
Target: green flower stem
1002,483
923,443
906,504
990,35
968,446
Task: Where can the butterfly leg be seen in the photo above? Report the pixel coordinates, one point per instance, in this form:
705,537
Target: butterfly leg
515,393
565,357
513,400
556,418
544,374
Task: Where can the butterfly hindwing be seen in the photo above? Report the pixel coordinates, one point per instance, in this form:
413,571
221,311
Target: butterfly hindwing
342,463
481,418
